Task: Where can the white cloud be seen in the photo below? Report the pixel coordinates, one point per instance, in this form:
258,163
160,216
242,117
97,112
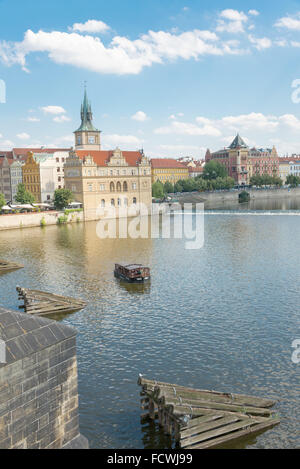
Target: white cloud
253,12
291,121
260,43
6,145
139,116
23,136
252,121
33,119
62,118
121,56
53,110
90,26
119,140
232,21
288,22
186,128
295,44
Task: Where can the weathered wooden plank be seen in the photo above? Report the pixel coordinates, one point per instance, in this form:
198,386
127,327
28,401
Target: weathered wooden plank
193,408
213,415
206,427
241,398
213,443
217,432
210,423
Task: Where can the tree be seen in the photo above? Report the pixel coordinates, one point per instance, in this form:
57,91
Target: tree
62,198
158,190
23,196
292,180
188,185
168,187
178,186
213,169
2,200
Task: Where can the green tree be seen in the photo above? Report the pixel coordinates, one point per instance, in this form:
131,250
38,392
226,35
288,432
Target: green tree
292,180
213,169
168,187
201,184
62,198
158,190
178,186
2,200
188,185
23,196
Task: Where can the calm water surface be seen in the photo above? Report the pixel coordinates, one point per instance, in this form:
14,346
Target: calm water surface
222,317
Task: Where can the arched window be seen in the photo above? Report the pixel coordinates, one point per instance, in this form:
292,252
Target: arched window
112,202
119,202
102,203
134,200
119,187
125,186
112,187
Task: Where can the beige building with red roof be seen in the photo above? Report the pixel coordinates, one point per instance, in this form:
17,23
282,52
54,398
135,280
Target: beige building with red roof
101,179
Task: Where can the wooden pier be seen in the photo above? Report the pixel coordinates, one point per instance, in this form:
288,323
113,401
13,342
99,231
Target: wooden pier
200,419
6,266
44,303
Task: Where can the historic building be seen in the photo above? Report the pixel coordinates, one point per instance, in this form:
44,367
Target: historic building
16,177
168,170
241,162
5,183
31,176
100,179
43,173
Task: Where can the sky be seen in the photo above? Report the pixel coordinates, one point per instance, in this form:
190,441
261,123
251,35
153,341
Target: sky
173,77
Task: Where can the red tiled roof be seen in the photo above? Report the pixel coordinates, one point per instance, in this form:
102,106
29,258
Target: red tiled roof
8,154
101,157
24,151
198,169
166,163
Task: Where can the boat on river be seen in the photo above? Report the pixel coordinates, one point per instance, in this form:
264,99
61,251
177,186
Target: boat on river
132,272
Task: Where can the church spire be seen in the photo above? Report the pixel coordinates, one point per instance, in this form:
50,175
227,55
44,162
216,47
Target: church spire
87,137
86,115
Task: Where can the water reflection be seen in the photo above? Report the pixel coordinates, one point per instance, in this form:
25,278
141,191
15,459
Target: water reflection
222,317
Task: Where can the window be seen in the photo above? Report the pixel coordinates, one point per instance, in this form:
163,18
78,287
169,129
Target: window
125,202
92,139
78,139
58,170
119,187
119,202
134,200
57,160
90,187
112,187
134,185
102,203
102,187
112,202
125,186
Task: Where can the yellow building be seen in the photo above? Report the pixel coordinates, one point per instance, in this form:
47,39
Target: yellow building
284,168
31,176
168,170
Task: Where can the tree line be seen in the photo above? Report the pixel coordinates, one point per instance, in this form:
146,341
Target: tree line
62,197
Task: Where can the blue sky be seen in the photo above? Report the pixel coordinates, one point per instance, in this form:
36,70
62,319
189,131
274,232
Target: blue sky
174,77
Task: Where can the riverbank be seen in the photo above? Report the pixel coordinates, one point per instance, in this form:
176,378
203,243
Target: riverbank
29,220
216,198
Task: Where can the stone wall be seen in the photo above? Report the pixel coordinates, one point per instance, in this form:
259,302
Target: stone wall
26,220
38,384
225,196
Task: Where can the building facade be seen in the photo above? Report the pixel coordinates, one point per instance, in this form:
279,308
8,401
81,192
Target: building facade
168,170
242,163
102,179
31,177
5,184
16,177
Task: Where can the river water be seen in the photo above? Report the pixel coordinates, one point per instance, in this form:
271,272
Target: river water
221,317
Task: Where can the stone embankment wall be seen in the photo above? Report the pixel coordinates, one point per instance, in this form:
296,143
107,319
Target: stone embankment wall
225,196
26,220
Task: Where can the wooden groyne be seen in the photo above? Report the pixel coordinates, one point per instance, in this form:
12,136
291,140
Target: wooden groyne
44,303
200,419
6,266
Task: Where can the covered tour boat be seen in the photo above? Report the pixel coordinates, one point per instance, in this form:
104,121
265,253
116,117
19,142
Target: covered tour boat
132,272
